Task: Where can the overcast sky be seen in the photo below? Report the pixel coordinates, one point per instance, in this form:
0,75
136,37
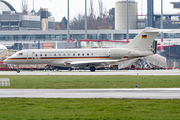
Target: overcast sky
58,8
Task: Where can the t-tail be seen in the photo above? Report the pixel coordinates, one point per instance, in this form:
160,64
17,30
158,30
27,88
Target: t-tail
144,40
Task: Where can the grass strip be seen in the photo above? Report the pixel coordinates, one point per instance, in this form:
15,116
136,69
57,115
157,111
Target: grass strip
79,82
88,109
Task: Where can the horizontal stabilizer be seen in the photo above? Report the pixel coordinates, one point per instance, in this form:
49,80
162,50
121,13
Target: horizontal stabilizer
158,30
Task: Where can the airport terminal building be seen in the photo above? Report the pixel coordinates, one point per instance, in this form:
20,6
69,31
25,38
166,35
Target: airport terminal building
10,20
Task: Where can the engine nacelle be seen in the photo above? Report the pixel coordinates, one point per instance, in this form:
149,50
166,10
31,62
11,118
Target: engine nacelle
118,53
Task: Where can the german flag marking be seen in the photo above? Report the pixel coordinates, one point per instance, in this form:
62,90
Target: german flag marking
144,36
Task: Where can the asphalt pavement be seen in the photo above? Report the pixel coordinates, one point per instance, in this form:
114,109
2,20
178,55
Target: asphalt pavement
157,93
98,72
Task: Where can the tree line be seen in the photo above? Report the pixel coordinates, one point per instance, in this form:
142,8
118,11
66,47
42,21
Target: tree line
102,20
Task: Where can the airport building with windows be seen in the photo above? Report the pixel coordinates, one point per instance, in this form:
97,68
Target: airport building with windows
10,20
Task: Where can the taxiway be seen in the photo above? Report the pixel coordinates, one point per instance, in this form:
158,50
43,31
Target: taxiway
169,93
158,93
103,72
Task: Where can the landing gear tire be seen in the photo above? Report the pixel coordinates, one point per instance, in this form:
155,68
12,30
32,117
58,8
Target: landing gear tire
69,69
18,70
92,69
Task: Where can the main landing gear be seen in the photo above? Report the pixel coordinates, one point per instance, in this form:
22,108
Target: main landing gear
18,70
92,69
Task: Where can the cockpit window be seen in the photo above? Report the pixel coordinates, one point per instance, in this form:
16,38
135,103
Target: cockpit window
20,54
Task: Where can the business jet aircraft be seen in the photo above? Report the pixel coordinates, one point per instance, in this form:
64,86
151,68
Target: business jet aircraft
139,47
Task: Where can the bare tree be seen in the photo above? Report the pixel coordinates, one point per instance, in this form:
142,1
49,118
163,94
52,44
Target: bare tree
24,6
112,17
91,11
63,24
93,22
78,22
100,8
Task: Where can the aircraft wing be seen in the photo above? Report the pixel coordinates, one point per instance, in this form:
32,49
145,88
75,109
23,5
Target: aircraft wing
93,62
84,63
101,61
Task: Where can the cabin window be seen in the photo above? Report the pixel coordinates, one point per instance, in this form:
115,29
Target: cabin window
92,54
45,54
68,54
73,54
40,54
36,55
78,54
54,54
83,54
59,54
64,54
20,54
87,54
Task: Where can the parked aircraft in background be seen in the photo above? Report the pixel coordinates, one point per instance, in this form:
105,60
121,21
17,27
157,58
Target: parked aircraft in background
138,47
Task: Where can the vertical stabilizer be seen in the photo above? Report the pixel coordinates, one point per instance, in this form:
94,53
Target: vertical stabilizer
144,40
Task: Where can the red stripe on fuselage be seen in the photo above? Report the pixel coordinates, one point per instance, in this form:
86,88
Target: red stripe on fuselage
46,58
50,58
20,58
72,58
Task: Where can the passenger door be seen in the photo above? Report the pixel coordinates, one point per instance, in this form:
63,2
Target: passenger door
30,57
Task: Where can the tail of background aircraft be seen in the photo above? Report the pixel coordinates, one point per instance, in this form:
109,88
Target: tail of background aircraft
154,47
144,40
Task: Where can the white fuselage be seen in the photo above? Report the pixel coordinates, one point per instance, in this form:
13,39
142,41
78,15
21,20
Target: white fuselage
63,57
138,47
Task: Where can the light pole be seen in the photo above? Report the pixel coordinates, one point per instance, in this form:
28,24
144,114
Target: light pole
68,40
162,35
33,8
85,19
127,36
